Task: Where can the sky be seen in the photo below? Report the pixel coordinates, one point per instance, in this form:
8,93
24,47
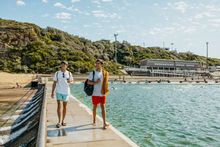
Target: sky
187,24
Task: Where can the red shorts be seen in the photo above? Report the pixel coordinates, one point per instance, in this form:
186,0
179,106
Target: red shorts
98,99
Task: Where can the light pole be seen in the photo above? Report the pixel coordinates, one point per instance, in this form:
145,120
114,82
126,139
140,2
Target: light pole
115,35
163,45
172,45
207,55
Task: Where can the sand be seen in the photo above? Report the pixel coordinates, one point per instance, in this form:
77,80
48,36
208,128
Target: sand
9,93
8,80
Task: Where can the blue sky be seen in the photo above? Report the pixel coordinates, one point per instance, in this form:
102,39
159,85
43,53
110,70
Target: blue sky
188,24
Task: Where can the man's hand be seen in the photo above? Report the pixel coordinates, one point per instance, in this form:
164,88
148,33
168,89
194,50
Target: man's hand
97,81
52,95
70,81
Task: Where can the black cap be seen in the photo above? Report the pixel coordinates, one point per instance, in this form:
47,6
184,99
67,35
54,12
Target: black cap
100,60
64,62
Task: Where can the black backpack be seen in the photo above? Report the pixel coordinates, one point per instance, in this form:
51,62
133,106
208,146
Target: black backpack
88,89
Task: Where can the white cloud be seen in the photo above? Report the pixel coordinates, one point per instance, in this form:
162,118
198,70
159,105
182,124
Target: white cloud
189,29
45,1
204,14
106,0
63,16
180,6
213,8
155,31
96,2
173,29
86,26
45,15
215,20
70,8
20,2
65,21
77,10
98,13
59,5
156,4
75,1
114,16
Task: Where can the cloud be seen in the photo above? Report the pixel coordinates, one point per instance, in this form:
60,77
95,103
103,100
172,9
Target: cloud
173,29
75,1
96,2
189,29
45,15
65,21
63,16
204,14
20,2
45,1
70,8
86,26
98,13
213,8
215,20
156,4
59,5
106,0
180,6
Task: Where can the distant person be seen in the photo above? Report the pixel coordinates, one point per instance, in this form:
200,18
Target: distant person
18,85
100,90
62,79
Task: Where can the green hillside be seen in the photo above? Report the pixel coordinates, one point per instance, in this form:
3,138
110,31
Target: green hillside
25,47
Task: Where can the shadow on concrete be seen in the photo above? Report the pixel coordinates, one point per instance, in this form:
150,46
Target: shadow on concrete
64,131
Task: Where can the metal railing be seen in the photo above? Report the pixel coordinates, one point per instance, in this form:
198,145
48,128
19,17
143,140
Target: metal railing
41,136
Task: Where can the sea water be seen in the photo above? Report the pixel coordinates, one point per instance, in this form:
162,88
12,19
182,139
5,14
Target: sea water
163,115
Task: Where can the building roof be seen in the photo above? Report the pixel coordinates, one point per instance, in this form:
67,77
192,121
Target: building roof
167,60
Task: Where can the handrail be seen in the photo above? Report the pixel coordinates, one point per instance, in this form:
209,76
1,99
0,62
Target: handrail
41,136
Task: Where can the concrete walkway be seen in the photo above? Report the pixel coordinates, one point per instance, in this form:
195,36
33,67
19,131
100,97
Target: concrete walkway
79,131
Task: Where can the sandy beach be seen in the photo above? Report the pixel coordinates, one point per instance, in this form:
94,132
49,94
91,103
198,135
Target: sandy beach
9,93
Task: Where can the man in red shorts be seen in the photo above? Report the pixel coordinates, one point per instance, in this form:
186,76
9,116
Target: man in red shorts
100,90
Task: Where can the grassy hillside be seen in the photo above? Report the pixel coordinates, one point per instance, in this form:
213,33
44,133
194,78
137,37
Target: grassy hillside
26,47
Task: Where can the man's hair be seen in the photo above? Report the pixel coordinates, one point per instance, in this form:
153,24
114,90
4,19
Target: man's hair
100,60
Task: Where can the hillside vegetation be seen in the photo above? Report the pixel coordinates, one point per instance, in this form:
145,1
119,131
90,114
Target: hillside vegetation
25,47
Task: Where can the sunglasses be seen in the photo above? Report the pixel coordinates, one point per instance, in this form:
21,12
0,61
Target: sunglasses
63,75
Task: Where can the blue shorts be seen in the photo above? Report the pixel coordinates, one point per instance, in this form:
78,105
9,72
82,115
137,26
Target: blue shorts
62,97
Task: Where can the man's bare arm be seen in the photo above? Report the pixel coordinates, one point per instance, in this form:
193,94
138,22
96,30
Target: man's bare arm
53,89
93,83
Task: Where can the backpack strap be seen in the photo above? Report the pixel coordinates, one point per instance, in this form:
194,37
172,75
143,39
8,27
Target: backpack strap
93,75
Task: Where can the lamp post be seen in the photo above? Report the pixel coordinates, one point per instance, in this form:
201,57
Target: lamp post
163,45
207,55
172,45
115,35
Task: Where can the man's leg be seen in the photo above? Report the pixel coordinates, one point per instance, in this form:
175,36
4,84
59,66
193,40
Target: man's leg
105,125
94,114
59,110
64,112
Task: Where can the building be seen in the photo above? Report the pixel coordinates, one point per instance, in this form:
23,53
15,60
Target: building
162,64
214,68
163,67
